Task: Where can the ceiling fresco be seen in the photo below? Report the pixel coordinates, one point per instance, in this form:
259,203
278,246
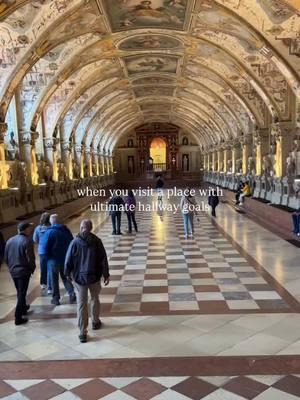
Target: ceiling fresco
97,68
157,63
131,14
150,42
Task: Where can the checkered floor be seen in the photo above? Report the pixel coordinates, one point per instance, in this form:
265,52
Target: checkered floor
158,271
258,387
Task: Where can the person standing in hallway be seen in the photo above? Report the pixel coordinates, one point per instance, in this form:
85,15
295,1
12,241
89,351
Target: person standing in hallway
213,201
38,237
20,258
188,207
159,187
56,241
296,222
130,205
86,264
115,206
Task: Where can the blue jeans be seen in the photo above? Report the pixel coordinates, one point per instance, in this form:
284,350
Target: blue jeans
55,270
188,221
296,223
45,274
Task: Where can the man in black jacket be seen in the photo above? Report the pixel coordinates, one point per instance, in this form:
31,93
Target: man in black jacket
20,258
86,263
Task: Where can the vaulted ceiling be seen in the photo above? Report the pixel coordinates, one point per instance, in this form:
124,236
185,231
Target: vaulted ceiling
98,68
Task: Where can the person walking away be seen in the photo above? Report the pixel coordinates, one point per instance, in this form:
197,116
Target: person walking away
56,241
296,222
38,236
188,206
213,201
159,186
115,206
246,191
130,205
20,258
86,264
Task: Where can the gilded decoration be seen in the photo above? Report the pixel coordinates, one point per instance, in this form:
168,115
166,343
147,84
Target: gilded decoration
95,68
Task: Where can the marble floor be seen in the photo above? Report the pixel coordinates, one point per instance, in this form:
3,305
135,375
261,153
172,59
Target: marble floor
232,292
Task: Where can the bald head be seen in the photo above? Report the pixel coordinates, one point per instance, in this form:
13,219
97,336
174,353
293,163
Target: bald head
86,226
54,219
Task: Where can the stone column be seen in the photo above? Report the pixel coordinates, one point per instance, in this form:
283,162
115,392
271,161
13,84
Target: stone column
67,158
111,164
283,139
3,165
261,146
28,155
102,169
220,158
96,161
79,161
89,162
51,157
226,158
214,161
205,161
246,143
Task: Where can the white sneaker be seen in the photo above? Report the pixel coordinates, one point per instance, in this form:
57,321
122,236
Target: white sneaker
43,287
186,236
49,291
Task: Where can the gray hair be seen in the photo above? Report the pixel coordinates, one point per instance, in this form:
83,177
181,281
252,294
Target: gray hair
53,219
86,225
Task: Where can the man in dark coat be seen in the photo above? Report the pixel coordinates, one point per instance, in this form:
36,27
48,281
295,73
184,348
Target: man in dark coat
213,201
56,241
86,263
115,207
20,258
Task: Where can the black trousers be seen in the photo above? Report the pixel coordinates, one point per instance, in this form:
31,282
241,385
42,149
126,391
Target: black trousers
131,220
116,221
21,285
213,211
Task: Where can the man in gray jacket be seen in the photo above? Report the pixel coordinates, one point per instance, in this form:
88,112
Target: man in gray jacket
86,263
20,258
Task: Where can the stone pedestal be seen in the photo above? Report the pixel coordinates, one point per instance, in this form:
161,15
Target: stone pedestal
277,193
258,187
270,188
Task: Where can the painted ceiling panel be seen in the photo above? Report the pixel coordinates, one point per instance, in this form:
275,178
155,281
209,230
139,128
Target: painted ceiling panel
227,67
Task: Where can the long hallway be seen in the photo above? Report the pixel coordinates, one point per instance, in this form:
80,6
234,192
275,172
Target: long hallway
217,294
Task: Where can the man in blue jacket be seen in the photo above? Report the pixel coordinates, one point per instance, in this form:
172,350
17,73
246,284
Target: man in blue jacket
86,263
56,241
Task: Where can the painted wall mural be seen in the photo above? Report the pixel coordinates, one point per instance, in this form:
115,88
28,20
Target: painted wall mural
154,80
160,63
202,59
153,91
150,42
130,14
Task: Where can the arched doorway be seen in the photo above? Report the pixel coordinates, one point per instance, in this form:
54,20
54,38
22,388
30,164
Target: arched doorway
158,153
